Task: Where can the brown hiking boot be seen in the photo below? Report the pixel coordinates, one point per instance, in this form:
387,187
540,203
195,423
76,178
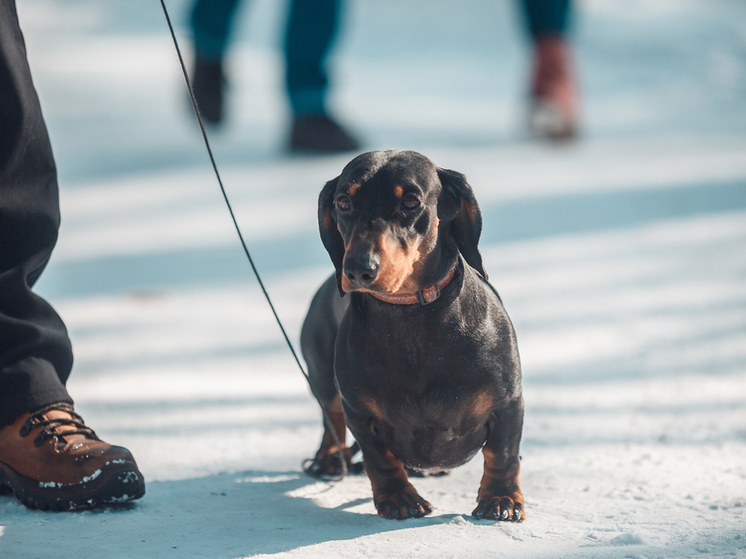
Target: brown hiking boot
553,112
52,461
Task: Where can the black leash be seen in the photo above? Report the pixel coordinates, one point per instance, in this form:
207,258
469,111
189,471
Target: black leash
327,419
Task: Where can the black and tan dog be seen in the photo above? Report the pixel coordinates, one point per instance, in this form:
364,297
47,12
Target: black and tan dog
420,359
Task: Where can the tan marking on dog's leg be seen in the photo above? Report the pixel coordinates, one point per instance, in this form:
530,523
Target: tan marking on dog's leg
481,404
393,496
500,496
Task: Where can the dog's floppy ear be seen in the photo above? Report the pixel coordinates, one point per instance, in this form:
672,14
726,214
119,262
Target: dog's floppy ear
328,229
466,225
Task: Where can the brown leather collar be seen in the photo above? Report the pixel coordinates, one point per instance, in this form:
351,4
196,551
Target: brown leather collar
423,296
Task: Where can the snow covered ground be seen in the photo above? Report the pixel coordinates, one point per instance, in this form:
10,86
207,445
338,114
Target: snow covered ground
621,260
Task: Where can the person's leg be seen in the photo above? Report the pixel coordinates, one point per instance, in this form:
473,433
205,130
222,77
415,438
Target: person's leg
310,33
211,22
35,353
547,17
553,111
48,457
311,29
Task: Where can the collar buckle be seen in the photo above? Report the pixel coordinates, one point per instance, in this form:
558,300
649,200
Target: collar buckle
435,290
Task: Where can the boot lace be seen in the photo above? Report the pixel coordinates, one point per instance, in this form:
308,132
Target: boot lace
51,426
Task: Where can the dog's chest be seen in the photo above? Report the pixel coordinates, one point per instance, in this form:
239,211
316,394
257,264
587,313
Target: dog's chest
430,375
414,350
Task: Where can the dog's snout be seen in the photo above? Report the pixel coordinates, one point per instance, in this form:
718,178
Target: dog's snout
362,270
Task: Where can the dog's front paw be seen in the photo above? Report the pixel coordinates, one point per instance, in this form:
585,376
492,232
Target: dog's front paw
401,503
501,508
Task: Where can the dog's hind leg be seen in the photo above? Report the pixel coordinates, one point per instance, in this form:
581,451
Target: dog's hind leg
318,336
328,459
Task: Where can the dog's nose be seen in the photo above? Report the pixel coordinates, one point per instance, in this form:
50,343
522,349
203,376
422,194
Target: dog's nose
362,271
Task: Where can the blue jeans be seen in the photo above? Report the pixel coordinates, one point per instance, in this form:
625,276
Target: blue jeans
310,31
546,17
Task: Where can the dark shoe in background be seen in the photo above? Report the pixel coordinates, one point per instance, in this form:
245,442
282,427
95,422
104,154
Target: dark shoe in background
52,461
208,84
553,112
320,134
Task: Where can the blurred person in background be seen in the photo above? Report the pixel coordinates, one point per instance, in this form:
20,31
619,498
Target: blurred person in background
48,457
553,110
311,29
309,34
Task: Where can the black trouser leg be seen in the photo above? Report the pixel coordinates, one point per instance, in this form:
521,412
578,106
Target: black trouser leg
35,352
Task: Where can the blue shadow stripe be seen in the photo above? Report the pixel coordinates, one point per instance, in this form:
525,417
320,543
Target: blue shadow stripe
586,212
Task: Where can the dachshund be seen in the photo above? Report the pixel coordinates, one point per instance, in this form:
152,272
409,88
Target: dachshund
407,344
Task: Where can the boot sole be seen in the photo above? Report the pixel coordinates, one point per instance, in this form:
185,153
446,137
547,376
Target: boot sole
117,484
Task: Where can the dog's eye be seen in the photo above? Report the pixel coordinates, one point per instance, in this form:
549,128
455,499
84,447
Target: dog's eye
344,204
410,202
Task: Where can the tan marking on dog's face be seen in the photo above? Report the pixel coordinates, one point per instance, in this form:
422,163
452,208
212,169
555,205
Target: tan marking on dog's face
397,265
412,282
400,265
398,191
347,287
353,189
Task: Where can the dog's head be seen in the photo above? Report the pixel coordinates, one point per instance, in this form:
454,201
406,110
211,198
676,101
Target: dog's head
393,221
